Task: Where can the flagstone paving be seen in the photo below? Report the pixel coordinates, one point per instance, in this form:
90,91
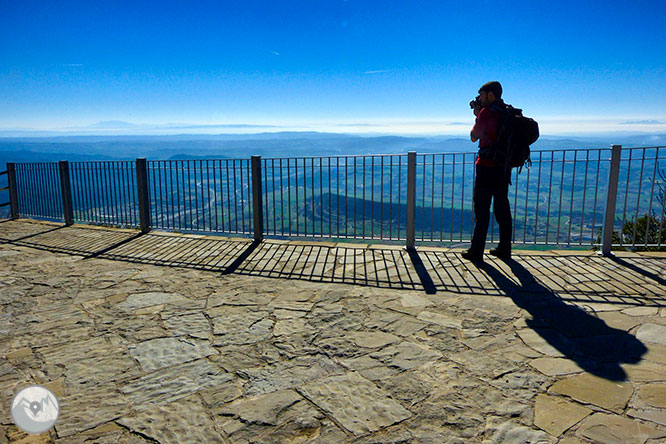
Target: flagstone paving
153,339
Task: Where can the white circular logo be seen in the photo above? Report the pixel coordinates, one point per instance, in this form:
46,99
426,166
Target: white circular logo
35,409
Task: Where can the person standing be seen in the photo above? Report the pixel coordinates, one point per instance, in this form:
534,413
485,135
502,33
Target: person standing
492,179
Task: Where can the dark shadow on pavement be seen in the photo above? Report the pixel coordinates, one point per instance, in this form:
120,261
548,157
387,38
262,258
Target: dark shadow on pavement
241,257
421,272
580,336
635,268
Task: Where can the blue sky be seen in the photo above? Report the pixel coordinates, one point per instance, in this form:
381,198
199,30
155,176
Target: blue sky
380,66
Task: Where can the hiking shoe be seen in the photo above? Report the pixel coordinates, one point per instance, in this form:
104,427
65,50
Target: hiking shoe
470,256
502,254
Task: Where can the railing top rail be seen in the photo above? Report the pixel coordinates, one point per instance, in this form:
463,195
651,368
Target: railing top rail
3,172
334,157
240,159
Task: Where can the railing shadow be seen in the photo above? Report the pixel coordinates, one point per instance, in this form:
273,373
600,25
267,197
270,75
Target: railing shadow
583,278
580,336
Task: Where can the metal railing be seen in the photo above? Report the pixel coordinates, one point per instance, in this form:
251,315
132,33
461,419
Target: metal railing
582,197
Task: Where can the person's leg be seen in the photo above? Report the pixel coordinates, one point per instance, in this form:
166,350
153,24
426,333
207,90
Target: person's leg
482,198
502,212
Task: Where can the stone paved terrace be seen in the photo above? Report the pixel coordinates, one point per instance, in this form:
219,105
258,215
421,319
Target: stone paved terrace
171,338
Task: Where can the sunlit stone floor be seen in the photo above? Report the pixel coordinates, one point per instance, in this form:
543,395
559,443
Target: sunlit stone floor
173,338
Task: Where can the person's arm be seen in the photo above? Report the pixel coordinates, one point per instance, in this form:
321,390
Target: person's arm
479,125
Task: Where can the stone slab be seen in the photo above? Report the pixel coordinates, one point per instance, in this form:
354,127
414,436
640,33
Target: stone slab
591,389
614,429
186,420
356,403
165,352
170,384
555,415
652,333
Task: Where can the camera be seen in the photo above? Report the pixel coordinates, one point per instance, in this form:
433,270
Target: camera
475,103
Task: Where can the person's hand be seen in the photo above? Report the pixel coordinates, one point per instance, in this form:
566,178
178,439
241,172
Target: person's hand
477,110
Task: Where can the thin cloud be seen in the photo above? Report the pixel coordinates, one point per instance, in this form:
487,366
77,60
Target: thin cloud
644,122
72,64
275,53
377,71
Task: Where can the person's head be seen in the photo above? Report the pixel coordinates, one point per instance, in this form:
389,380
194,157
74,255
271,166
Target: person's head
490,92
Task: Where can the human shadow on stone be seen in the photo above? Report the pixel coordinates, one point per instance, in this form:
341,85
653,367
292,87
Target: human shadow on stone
635,268
578,335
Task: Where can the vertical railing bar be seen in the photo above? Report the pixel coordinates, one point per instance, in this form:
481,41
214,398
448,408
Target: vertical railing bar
210,213
649,213
127,197
363,207
536,218
281,199
337,193
432,200
178,174
663,205
312,192
104,188
153,188
94,188
330,210
257,195
390,219
453,189
169,202
233,169
638,198
626,195
48,208
550,193
573,183
372,196
46,204
423,197
611,200
200,211
273,185
41,207
158,185
114,179
109,167
289,195
596,192
399,195
354,172
462,201
582,211
411,200
219,215
381,198
296,193
559,210
112,174
515,203
441,204
321,197
66,187
527,196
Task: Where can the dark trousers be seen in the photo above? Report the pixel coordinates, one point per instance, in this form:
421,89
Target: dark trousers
491,184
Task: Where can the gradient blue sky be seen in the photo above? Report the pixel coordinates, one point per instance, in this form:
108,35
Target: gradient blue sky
393,66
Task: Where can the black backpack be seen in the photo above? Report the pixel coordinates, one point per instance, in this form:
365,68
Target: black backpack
517,133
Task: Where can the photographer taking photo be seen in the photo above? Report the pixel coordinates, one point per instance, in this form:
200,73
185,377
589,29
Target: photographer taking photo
492,181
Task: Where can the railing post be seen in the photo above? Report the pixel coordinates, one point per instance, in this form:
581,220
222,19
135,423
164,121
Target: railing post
613,178
257,207
411,198
66,193
13,196
142,193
